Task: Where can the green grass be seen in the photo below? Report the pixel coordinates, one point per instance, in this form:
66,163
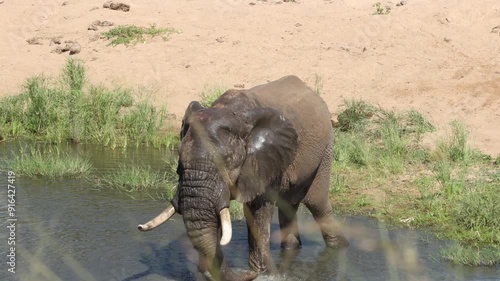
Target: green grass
51,162
131,34
382,169
236,210
355,113
138,181
131,178
471,255
211,93
380,10
318,84
71,108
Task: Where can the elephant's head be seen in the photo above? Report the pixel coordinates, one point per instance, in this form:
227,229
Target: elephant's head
233,150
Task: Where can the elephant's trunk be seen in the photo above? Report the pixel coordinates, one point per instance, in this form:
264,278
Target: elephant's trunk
203,203
205,241
203,230
204,227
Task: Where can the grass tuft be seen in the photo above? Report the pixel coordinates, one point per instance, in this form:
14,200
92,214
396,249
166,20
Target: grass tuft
456,148
81,112
138,180
210,94
478,209
131,178
318,84
470,255
379,10
382,169
128,34
50,163
236,210
355,114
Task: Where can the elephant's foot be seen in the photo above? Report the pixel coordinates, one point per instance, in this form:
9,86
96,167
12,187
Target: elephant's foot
336,241
230,275
243,275
331,233
291,242
261,265
287,258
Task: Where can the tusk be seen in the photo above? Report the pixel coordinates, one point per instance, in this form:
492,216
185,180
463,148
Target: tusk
227,230
161,218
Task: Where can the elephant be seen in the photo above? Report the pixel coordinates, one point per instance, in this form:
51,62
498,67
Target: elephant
268,146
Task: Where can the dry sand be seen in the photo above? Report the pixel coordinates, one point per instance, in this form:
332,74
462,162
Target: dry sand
441,57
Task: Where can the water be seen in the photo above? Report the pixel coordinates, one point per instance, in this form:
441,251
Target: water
67,230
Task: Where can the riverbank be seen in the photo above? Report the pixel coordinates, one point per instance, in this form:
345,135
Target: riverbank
384,165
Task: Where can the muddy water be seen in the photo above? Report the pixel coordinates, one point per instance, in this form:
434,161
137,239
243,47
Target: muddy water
67,230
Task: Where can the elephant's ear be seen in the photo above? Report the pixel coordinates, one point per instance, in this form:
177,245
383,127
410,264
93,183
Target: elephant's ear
192,107
270,146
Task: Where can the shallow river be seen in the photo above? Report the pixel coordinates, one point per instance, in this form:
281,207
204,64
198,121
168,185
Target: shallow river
68,230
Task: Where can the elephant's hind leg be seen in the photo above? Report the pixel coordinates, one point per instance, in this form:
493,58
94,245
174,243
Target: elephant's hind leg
290,238
318,202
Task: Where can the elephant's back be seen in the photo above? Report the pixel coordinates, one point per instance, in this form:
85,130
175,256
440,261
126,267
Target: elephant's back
299,103
307,111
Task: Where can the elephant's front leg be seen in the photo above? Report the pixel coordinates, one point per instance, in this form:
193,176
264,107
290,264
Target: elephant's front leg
258,214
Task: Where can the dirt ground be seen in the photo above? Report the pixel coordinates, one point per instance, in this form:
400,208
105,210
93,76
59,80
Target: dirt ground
441,57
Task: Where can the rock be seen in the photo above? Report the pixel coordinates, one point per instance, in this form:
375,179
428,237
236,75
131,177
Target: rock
496,29
298,24
119,7
220,39
401,3
55,41
1,1
92,27
102,23
95,38
75,49
65,48
241,86
34,41
116,6
106,23
57,50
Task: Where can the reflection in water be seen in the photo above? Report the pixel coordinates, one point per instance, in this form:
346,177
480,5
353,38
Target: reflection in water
67,230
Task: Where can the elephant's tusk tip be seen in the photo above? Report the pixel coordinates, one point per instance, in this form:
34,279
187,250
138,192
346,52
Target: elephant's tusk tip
224,242
142,227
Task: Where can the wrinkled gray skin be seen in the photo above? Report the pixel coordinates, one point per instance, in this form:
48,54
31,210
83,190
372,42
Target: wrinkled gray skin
267,146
